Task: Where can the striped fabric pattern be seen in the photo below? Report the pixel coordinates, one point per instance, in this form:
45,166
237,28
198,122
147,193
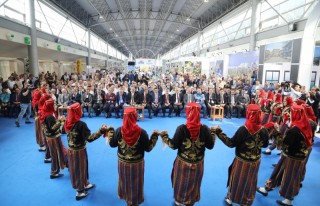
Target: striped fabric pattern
287,174
265,119
242,181
131,182
58,158
78,168
186,181
38,132
303,174
47,155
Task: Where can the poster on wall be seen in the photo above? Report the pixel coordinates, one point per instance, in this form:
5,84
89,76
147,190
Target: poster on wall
216,67
278,52
243,63
193,67
316,58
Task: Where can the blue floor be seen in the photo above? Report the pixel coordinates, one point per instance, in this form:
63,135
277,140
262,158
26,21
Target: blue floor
24,178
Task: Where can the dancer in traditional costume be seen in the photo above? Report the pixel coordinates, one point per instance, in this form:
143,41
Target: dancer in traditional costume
287,173
52,133
132,142
191,140
78,136
243,172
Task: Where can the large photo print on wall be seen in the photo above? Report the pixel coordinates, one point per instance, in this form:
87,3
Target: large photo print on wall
278,52
243,63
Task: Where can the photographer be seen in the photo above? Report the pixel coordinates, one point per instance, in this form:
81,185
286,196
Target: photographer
293,90
25,103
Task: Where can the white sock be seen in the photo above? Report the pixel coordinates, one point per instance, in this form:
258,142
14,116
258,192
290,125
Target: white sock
178,203
287,201
268,150
263,189
228,201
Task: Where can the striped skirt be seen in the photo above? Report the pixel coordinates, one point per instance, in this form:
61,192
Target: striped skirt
303,174
242,181
59,159
38,132
265,119
287,174
78,168
131,181
186,181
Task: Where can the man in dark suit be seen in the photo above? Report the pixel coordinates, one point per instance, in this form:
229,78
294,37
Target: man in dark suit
156,101
146,99
211,99
166,103
177,100
240,102
227,102
121,99
98,100
133,97
87,102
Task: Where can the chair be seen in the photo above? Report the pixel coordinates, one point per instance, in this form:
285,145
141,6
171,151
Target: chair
216,112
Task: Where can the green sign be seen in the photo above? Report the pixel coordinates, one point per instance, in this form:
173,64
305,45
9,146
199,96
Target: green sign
58,47
27,40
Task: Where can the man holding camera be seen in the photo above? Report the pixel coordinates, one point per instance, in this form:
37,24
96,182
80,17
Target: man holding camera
25,103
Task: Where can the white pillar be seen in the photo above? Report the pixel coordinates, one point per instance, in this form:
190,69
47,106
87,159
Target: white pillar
255,19
307,47
33,48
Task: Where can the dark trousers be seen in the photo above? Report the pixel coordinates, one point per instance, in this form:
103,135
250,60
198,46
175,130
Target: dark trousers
108,108
164,107
98,107
177,109
118,109
228,110
239,109
156,109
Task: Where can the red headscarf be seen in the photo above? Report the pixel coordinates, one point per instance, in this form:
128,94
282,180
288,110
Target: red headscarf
309,112
48,109
43,90
269,125
278,98
289,101
36,95
74,115
300,120
300,102
253,115
43,99
270,95
130,130
193,120
262,94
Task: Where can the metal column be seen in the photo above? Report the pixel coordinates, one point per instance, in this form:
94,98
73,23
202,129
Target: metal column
89,50
255,18
307,47
33,48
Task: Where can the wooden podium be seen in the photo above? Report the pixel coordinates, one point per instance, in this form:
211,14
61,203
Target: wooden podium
216,112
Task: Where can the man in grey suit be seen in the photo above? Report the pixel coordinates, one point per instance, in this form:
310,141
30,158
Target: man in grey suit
188,97
64,98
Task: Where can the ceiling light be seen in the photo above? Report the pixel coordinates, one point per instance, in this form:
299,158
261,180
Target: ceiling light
178,30
188,19
116,35
100,17
205,1
111,29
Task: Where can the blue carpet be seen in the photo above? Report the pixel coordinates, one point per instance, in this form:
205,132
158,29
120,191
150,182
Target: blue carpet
24,178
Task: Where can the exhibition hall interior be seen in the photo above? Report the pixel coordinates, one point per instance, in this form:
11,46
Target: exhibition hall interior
160,102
